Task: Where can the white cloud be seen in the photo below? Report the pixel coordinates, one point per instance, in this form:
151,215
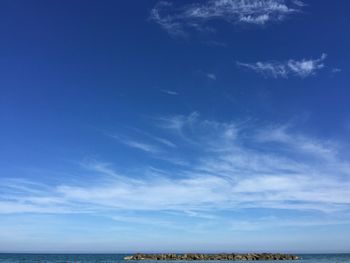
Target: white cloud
169,92
279,134
300,68
167,22
273,223
336,70
146,147
235,167
145,136
164,141
142,146
211,76
176,20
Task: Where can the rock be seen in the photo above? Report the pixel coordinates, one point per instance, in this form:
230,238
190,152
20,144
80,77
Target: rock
221,256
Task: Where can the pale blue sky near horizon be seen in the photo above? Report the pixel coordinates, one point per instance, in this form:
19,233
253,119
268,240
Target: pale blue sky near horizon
153,126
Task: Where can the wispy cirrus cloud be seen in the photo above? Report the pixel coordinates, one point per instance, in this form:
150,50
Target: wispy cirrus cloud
336,70
300,68
177,20
145,141
169,92
157,139
211,76
136,144
235,166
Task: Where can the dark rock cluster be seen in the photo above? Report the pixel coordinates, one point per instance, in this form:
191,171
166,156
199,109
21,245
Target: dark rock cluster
222,256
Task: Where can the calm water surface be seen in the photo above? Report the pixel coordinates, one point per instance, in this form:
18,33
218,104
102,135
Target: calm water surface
108,258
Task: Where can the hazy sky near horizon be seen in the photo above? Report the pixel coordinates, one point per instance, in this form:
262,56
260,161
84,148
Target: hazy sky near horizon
141,125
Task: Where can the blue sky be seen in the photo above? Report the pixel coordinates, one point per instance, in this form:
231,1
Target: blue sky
218,125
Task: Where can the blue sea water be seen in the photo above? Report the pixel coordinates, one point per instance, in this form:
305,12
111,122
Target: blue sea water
118,258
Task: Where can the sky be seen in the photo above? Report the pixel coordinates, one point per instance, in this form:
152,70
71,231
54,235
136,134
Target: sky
177,126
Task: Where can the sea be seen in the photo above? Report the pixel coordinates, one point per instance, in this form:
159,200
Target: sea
118,258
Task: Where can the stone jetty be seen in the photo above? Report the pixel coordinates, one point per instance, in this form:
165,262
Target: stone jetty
221,256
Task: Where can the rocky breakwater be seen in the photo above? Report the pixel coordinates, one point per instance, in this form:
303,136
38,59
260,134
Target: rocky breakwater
223,256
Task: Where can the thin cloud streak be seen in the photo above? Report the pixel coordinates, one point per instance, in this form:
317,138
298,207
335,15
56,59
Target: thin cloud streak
142,146
298,68
146,147
170,92
211,76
